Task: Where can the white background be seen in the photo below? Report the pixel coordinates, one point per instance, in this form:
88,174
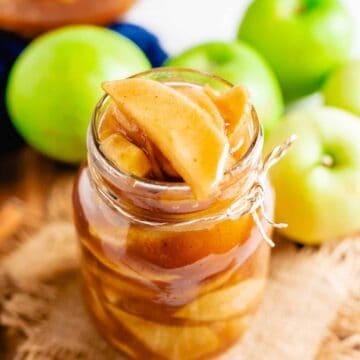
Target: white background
181,24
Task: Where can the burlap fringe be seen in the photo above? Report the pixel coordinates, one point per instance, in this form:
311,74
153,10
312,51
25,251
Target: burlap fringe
343,340
25,306
67,332
49,351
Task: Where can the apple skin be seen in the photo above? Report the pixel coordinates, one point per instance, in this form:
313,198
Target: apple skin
239,64
318,200
303,40
56,82
342,89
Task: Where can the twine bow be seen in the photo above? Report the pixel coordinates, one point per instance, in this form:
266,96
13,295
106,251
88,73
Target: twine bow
254,201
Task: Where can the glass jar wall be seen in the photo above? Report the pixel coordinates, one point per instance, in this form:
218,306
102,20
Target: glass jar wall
167,276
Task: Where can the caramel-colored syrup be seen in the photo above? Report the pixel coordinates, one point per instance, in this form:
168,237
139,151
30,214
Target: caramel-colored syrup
138,281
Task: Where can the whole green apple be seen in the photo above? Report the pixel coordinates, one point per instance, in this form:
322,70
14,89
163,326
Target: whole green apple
317,184
343,88
303,40
239,64
55,84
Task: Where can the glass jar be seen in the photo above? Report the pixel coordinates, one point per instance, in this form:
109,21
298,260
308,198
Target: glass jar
167,276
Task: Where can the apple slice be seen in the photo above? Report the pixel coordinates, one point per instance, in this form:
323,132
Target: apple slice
199,97
226,303
131,129
182,131
234,106
166,166
239,137
115,121
169,342
125,155
231,104
109,123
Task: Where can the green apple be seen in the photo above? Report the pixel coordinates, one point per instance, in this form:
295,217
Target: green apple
343,88
55,84
317,184
239,64
303,40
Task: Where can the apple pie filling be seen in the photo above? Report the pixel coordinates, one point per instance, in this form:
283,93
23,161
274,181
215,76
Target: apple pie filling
167,210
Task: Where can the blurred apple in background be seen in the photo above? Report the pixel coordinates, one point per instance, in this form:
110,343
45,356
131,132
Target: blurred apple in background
303,40
317,184
239,64
31,17
55,84
343,88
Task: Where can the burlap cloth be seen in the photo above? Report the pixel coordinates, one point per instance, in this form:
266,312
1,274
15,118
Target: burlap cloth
311,308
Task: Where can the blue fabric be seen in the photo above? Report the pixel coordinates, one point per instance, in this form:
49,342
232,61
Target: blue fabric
12,45
10,48
144,39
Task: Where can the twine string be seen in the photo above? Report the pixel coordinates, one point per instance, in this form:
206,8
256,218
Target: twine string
271,159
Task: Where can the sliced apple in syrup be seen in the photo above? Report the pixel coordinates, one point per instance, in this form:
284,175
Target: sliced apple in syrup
199,97
231,104
182,131
125,155
170,342
234,106
109,123
226,303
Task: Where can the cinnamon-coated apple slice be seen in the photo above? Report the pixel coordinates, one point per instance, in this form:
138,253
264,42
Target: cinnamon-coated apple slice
128,127
226,303
235,107
166,166
183,132
169,342
240,136
199,97
115,120
125,155
231,104
109,123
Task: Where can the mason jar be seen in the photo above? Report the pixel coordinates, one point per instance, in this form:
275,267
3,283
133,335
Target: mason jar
167,276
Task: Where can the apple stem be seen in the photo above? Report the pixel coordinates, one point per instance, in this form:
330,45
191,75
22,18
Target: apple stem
327,161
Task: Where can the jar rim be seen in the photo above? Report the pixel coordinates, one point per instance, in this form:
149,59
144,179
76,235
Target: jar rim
255,145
